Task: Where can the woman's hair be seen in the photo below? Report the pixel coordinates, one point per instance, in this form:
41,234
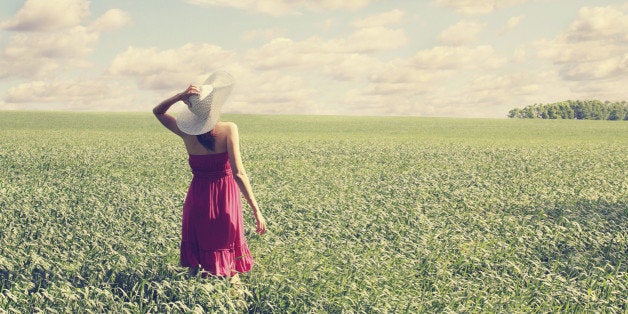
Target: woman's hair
207,140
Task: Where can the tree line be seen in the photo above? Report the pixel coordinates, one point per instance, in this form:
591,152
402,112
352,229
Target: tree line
574,109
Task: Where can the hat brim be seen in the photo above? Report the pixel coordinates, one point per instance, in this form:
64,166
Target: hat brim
219,85
192,124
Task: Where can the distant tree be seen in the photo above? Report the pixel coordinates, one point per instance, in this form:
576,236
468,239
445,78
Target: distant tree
528,113
617,112
543,112
566,112
552,111
514,113
574,109
598,111
585,109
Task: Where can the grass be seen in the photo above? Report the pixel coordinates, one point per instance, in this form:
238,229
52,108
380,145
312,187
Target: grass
366,214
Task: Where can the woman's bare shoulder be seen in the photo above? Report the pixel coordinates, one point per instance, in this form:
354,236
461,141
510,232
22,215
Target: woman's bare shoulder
227,126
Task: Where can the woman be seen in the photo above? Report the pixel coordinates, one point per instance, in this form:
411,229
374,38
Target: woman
212,230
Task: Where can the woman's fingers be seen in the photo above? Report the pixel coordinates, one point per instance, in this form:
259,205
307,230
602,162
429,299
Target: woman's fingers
193,89
261,227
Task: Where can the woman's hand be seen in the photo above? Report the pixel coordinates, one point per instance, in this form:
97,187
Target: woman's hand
261,223
191,90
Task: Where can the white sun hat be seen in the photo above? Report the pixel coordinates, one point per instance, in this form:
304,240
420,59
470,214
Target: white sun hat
203,110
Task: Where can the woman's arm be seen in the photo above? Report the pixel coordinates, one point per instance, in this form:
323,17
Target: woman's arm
167,120
239,174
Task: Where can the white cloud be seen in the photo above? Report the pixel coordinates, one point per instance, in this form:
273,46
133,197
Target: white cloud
600,23
39,54
458,57
283,7
364,102
172,68
335,4
75,94
45,15
371,39
612,90
368,70
461,33
315,52
502,92
7,106
279,76
490,94
238,4
473,7
381,19
429,83
353,67
600,69
75,42
49,38
487,88
511,24
370,84
279,53
266,34
327,24
594,48
519,55
273,93
111,20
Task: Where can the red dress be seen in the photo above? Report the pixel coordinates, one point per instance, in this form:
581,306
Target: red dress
212,234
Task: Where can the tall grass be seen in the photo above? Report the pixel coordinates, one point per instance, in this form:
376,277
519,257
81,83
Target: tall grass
365,214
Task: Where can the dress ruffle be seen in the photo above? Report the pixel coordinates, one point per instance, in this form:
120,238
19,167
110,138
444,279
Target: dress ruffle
222,262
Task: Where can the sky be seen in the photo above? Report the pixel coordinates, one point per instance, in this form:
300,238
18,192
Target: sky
433,58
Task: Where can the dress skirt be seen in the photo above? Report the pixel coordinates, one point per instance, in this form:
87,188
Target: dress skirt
212,233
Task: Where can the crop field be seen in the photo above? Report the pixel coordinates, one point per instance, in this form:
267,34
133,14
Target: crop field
365,214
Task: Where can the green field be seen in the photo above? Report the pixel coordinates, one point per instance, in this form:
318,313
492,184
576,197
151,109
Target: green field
365,214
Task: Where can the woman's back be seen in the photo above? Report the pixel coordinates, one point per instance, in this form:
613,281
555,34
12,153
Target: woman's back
194,147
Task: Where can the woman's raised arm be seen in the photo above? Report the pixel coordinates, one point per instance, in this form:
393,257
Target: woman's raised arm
167,120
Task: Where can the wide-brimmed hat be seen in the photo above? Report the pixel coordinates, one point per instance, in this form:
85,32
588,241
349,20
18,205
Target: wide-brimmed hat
203,110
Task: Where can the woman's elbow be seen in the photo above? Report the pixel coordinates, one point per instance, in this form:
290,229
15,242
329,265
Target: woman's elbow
240,176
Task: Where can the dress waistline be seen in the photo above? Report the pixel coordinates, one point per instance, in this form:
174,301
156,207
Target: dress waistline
211,174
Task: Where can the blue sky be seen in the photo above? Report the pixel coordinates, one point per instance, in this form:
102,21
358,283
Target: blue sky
458,58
